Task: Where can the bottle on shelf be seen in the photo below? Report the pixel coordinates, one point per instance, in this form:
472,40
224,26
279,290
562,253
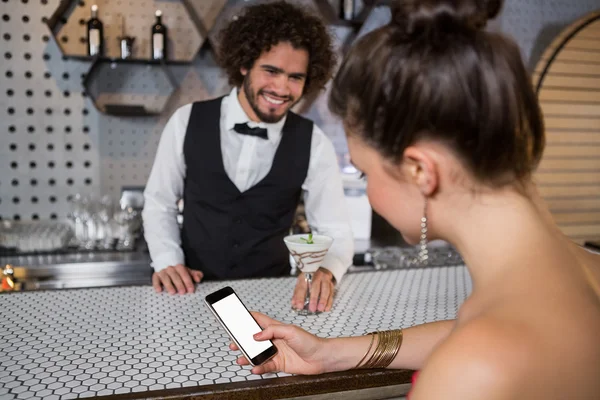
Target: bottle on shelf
159,39
95,34
126,42
347,10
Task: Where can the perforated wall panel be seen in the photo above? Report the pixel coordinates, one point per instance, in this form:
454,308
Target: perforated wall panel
48,135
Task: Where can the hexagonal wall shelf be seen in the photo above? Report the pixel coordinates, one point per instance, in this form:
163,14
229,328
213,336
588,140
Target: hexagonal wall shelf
113,83
205,13
131,18
129,88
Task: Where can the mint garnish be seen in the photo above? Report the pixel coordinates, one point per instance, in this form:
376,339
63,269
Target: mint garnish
309,240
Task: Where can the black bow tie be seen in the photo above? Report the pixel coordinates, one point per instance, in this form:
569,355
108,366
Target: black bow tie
244,129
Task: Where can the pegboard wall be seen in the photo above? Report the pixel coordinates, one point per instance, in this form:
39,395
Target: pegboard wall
53,141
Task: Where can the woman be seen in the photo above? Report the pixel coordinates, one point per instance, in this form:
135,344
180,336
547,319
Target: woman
442,119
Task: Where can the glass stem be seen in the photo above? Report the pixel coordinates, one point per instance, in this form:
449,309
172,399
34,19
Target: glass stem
308,280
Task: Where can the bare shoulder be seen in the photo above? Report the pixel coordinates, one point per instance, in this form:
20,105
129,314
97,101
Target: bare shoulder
485,358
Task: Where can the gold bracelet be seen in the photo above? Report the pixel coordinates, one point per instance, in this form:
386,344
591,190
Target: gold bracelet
393,348
384,349
368,350
400,339
387,349
377,352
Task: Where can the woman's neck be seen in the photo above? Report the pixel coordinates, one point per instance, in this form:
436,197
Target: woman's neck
496,231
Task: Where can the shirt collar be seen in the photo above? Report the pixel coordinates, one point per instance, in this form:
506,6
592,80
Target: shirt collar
237,115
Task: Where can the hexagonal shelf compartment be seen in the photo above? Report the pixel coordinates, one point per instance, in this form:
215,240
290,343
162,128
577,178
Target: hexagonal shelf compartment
129,88
68,24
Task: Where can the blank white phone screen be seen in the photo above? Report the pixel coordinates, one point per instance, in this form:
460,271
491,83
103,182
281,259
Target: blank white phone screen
241,324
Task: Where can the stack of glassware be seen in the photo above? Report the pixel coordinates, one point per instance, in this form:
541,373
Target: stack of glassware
101,225
34,236
90,225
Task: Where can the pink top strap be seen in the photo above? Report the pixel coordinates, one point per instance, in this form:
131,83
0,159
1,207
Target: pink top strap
413,381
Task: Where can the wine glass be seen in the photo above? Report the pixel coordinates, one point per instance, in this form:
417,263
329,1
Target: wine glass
308,251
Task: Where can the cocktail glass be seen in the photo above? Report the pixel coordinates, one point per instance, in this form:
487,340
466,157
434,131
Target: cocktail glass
308,250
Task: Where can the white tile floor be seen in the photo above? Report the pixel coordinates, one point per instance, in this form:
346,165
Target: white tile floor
93,342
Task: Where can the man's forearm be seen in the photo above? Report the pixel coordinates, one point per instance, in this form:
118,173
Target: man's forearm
339,258
163,236
163,189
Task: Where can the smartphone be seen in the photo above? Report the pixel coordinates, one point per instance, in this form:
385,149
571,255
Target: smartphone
240,325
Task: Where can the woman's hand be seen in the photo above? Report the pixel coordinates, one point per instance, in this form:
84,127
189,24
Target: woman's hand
298,352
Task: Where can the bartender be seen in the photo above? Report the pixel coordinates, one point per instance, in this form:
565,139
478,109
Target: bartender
241,163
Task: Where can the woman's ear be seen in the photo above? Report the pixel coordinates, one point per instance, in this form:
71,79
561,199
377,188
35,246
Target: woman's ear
422,169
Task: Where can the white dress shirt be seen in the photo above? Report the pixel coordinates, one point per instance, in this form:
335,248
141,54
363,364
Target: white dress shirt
247,160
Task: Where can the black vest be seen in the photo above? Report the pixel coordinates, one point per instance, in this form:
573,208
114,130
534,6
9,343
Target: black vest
228,234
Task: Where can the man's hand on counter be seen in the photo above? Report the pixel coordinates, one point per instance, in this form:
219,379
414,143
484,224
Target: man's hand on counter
321,295
176,279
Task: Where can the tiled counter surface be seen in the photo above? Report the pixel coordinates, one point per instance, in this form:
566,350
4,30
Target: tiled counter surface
109,341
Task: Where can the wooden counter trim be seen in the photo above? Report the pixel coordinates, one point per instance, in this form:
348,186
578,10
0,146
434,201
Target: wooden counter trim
279,388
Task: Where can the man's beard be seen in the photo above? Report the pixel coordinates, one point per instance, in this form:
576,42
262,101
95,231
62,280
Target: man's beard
253,101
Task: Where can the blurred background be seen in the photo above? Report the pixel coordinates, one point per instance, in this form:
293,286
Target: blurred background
79,130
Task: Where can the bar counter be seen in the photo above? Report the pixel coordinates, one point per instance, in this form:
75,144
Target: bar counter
130,342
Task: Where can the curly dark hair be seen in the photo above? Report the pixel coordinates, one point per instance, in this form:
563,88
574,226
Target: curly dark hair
262,26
